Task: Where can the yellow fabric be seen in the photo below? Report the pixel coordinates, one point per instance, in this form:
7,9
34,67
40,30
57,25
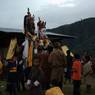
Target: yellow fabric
30,54
54,91
11,49
64,49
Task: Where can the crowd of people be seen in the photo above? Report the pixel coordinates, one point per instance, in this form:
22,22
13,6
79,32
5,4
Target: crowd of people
50,68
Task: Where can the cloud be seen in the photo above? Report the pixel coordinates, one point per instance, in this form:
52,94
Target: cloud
62,3
55,12
56,16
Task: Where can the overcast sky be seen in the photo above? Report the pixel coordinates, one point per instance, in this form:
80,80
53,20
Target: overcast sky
55,12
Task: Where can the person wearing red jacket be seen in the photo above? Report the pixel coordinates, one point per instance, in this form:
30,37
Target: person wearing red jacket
76,75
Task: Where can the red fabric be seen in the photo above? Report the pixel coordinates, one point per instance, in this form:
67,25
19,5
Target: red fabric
76,68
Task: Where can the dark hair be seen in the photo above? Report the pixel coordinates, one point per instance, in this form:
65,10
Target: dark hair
87,58
40,48
50,49
57,44
68,52
77,56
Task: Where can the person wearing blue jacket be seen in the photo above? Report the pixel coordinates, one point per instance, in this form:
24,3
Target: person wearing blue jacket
12,76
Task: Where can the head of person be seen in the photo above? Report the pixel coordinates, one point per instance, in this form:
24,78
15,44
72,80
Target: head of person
57,45
77,56
87,58
36,61
40,49
12,60
68,52
50,48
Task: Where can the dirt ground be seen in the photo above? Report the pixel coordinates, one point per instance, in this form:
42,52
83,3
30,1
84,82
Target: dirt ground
67,89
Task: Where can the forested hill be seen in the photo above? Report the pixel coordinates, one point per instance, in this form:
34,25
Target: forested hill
84,30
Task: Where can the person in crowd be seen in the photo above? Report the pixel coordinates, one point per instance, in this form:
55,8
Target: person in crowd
76,74
12,76
20,74
43,55
57,61
36,77
69,60
87,73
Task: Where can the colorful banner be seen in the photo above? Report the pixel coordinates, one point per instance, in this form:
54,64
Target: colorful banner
30,54
11,49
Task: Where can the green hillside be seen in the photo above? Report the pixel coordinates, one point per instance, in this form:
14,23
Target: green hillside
84,30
